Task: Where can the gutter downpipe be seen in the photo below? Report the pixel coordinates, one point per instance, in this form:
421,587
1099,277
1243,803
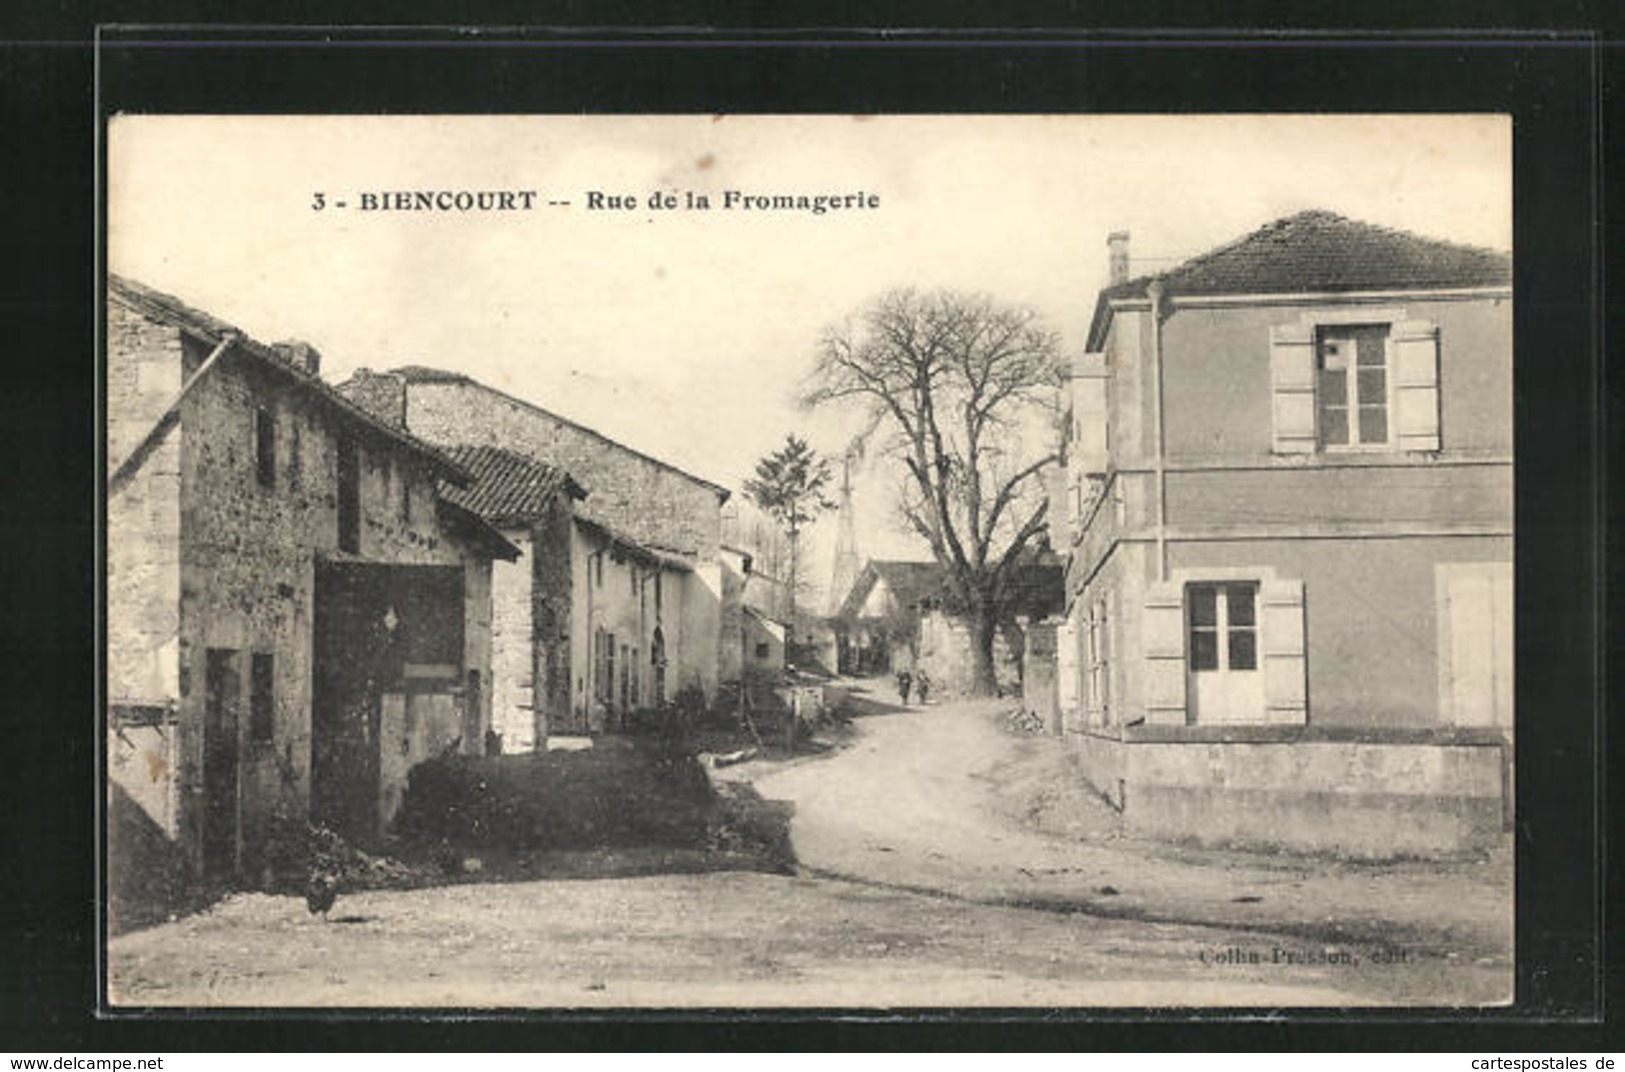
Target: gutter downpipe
1155,292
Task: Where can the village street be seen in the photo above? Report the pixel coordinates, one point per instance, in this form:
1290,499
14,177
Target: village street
918,887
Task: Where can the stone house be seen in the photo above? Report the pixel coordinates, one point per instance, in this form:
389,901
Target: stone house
878,621
532,505
1289,536
649,533
632,603
295,615
899,615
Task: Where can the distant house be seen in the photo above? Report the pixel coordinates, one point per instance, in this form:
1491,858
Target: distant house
532,604
943,649
877,625
643,559
295,614
901,615
1289,537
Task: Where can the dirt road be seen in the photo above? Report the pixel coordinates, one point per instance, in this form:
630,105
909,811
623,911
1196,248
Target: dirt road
729,940
918,890
919,802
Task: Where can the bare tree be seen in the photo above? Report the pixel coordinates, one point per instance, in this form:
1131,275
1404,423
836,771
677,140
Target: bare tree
789,484
954,384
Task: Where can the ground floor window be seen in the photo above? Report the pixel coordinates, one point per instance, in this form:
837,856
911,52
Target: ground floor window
1097,663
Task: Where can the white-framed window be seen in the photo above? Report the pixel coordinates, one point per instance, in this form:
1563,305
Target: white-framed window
1222,625
1354,380
1352,386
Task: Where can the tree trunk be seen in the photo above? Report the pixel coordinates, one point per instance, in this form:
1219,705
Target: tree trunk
983,623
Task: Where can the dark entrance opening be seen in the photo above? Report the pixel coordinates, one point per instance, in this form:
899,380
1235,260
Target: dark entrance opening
381,631
223,690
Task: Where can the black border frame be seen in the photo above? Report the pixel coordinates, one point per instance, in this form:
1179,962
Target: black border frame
1552,85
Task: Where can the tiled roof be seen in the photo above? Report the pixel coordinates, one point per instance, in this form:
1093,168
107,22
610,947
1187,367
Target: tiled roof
476,527
507,487
171,310
1319,251
910,583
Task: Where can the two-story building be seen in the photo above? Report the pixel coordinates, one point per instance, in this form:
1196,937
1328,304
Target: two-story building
642,555
295,614
1289,587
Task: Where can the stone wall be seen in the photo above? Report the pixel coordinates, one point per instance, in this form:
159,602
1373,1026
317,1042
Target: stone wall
239,554
1367,799
513,685
945,654
143,519
648,500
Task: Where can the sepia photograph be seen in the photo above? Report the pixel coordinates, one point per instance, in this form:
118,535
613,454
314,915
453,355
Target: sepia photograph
717,561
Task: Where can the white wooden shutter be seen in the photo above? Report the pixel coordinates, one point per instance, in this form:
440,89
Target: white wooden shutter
1414,345
1091,450
1292,388
1475,630
1162,627
1286,684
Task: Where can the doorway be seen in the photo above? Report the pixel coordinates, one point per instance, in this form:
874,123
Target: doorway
1221,625
223,689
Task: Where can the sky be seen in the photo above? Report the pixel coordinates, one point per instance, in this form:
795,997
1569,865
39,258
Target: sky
687,333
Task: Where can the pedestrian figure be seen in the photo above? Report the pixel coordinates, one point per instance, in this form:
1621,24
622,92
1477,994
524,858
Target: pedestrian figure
904,681
922,685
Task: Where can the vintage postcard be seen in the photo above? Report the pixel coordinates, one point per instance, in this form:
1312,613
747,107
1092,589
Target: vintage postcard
698,561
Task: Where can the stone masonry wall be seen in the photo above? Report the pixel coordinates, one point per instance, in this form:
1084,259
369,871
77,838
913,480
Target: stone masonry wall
513,682
240,556
143,519
649,501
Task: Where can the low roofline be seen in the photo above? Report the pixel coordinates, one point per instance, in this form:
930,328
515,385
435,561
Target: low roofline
207,329
423,374
633,547
481,529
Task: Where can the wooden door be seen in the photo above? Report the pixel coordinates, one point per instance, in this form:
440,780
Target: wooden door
222,699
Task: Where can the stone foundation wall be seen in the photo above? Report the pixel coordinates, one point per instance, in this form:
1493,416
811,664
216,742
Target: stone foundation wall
1368,799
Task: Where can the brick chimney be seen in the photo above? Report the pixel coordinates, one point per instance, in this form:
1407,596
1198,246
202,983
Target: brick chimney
382,394
1117,242
300,355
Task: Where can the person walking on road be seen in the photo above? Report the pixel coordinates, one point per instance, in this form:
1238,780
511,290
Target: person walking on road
904,681
922,685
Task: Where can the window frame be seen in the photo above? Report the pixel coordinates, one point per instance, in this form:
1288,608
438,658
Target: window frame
1223,628
262,696
1353,403
265,437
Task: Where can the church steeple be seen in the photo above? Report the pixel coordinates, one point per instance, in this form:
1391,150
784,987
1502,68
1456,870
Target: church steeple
846,539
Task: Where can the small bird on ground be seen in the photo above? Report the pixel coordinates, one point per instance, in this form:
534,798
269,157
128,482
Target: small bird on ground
321,890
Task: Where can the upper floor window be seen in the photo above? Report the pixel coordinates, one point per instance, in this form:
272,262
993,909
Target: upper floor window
1341,385
265,446
1351,369
349,479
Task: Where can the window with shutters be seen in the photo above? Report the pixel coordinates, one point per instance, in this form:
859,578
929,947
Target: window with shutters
1225,645
1343,383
